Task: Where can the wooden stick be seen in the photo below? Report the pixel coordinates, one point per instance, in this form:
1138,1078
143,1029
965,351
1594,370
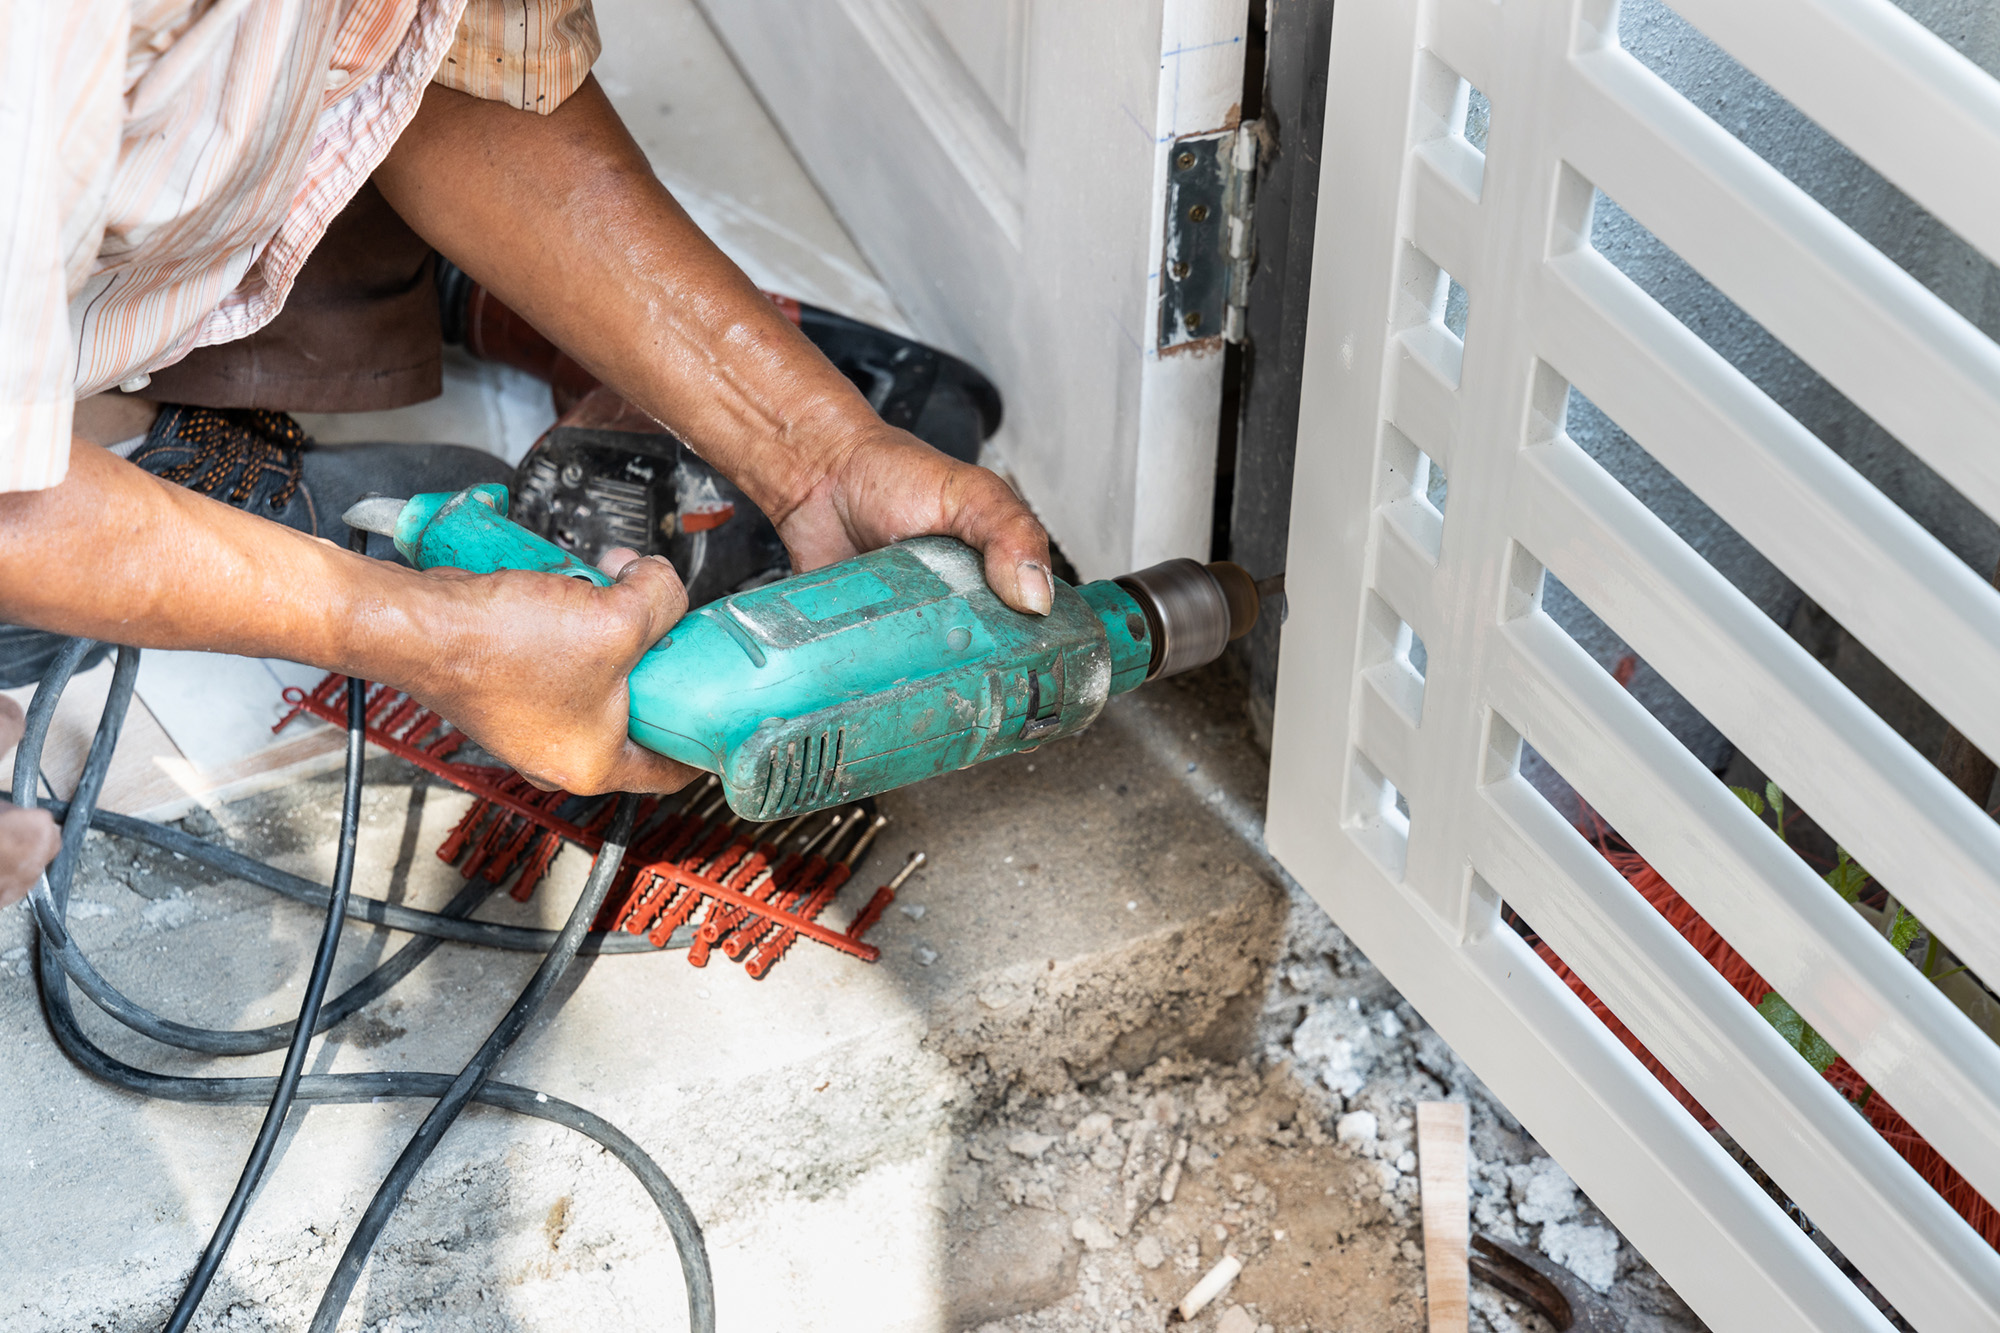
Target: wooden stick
1441,1154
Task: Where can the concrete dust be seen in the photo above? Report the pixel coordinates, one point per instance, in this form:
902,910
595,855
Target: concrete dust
1300,1162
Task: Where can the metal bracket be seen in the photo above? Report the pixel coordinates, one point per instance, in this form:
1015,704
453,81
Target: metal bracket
1205,269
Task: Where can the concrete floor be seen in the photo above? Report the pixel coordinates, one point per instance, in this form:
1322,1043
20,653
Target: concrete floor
1087,909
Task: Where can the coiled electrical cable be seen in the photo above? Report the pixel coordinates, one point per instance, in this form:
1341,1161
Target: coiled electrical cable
60,962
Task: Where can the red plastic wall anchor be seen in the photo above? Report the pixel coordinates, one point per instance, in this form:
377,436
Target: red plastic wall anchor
872,913
669,900
748,926
706,849
647,849
675,915
393,723
750,879
644,902
649,845
481,845
461,833
721,919
509,851
780,941
809,929
546,847
726,860
699,948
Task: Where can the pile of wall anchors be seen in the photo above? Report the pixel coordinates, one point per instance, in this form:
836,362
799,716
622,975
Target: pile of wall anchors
690,880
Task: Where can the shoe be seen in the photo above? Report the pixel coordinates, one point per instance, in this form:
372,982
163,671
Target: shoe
247,457
263,463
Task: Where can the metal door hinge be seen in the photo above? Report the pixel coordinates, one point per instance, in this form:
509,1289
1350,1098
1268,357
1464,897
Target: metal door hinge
1205,269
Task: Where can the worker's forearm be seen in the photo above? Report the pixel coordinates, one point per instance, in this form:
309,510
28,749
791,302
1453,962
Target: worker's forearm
114,553
563,219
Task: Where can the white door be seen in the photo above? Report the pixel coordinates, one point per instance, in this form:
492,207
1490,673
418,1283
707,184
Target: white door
1005,166
1397,792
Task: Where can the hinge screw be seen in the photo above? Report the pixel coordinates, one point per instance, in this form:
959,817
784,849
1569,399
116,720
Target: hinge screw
1192,319
1180,269
1199,213
1184,161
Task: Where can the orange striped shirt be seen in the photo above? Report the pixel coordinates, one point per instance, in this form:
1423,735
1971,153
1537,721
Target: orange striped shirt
172,163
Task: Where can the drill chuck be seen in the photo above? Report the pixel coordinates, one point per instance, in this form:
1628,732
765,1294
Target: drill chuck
1193,611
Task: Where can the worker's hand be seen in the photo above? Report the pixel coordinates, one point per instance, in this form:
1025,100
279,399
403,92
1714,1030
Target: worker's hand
623,280
29,839
533,668
886,484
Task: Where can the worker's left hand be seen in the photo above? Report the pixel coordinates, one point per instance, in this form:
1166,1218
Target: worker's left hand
884,485
29,839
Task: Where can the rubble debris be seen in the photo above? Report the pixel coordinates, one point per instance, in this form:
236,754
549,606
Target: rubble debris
1156,1177
1236,1319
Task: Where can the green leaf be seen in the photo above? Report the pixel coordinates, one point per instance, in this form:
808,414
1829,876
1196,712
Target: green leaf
1780,1015
1750,798
1798,1033
1775,798
1847,877
1905,930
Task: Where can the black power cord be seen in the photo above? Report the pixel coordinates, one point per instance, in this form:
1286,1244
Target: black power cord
308,1020
60,962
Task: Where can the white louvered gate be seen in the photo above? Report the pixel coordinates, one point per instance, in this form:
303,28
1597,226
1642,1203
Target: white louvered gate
1405,199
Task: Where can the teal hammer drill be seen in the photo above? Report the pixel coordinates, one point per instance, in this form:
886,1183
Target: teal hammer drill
870,674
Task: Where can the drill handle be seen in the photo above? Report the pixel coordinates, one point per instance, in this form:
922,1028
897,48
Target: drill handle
471,531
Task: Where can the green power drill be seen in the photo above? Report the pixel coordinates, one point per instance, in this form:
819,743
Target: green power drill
870,674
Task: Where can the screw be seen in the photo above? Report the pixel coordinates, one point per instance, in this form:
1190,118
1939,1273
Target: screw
572,473
910,867
1199,213
1180,269
1192,319
1184,161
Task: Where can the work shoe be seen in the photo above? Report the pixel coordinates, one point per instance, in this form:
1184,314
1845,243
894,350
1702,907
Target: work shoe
262,462
247,457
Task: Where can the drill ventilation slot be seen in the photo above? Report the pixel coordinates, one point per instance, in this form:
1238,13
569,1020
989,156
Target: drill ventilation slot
805,772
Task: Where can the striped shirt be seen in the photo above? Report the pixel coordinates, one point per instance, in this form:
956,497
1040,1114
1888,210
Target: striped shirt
172,163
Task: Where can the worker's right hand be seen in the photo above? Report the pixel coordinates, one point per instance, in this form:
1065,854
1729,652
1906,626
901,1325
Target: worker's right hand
533,668
29,839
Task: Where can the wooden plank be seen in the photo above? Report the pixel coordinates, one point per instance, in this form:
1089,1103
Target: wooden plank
1441,1163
